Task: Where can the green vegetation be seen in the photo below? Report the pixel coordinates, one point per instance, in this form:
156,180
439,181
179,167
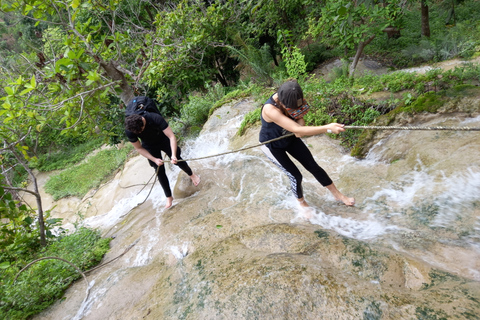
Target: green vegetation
45,281
79,179
346,100
66,157
67,74
250,119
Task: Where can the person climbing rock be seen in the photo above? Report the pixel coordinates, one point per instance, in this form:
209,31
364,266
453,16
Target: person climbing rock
156,136
283,114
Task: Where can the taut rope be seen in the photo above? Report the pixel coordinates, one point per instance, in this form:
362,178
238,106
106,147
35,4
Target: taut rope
346,127
233,151
292,134
413,128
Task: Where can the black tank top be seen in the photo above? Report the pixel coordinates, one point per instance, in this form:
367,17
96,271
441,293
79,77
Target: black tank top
271,130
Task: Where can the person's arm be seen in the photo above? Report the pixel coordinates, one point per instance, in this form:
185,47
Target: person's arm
273,114
144,152
173,143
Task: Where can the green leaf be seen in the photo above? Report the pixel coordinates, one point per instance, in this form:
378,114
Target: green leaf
62,63
7,105
71,54
9,91
25,91
342,11
76,3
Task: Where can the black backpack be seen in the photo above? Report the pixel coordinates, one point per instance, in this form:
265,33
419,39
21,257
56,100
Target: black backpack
140,105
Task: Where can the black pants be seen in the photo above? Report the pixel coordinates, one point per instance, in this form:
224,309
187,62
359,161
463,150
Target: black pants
298,150
161,174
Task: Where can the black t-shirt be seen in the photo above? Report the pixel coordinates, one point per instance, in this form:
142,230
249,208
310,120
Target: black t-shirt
271,130
152,134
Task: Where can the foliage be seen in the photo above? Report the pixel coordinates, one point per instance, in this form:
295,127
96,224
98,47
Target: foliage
45,281
252,118
315,54
192,53
294,59
429,102
351,25
18,236
258,64
344,100
342,71
455,37
67,157
79,179
68,66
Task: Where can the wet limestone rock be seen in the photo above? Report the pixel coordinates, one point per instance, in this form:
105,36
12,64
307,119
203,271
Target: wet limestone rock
184,187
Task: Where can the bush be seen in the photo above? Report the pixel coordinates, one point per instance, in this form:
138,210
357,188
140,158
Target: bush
45,281
315,54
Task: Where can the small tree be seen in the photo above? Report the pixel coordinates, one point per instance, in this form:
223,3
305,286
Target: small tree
19,152
354,24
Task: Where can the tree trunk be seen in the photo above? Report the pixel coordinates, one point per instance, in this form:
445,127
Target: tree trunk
126,93
358,54
425,19
36,193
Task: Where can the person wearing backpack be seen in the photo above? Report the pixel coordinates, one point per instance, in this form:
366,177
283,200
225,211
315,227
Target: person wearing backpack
150,134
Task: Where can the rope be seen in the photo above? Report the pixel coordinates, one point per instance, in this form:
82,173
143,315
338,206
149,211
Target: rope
346,127
292,134
233,151
413,128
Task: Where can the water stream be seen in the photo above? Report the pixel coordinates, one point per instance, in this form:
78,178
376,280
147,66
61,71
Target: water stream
239,246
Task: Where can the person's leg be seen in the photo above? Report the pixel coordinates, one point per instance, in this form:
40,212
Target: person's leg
161,175
280,158
182,164
300,152
164,183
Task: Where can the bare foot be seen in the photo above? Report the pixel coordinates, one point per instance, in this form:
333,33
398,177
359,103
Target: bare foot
340,196
169,202
346,200
195,179
303,203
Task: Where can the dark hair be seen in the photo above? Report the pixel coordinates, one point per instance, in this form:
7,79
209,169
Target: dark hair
289,93
134,123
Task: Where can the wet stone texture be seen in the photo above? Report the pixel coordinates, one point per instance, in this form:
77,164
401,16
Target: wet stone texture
238,246
284,271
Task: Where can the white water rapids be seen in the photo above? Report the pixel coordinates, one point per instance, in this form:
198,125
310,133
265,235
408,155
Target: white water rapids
417,201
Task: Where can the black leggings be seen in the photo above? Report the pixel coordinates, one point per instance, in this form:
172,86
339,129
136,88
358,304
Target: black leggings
298,150
161,174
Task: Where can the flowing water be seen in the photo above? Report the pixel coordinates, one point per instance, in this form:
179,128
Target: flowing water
239,247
